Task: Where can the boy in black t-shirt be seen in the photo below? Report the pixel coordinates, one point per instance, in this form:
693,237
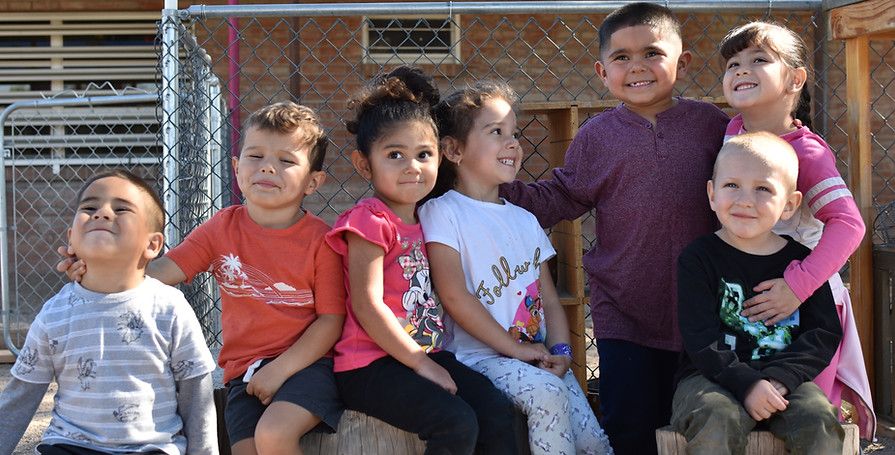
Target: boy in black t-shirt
734,372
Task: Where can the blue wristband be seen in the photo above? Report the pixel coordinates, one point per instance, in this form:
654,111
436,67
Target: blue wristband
561,349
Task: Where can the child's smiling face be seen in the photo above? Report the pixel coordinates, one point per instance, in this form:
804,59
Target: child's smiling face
111,222
491,153
640,67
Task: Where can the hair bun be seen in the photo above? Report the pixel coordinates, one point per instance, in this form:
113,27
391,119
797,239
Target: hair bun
420,85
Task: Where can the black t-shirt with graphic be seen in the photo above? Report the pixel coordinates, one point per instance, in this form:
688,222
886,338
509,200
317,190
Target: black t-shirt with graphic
714,279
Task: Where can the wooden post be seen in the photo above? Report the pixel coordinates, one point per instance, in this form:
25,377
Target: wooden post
566,237
860,175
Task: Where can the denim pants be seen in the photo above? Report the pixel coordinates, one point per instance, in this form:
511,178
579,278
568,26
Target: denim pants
714,422
636,386
478,418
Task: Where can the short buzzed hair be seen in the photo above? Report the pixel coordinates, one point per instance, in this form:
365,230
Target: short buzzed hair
155,209
288,117
642,13
768,148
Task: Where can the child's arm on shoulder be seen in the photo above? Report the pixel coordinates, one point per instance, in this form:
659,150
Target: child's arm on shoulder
163,269
18,403
195,404
830,201
317,340
365,277
166,270
564,197
557,324
467,310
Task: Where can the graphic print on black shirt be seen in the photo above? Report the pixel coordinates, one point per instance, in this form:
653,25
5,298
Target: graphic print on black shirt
762,340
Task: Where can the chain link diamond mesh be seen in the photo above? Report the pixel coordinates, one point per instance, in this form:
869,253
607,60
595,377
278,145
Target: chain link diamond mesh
320,60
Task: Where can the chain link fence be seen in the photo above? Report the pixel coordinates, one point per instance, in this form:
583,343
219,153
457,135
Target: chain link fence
218,64
50,147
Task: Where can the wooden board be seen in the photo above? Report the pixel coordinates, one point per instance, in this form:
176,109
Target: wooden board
760,442
873,18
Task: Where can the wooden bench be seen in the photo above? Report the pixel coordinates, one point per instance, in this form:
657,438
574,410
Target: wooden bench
760,442
358,434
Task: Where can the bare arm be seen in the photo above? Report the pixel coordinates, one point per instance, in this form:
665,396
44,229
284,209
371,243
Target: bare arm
557,324
365,266
468,311
165,270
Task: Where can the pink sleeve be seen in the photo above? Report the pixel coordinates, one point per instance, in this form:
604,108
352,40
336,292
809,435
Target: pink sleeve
365,221
826,195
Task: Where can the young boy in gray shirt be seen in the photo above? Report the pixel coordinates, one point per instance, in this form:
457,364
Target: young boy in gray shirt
127,351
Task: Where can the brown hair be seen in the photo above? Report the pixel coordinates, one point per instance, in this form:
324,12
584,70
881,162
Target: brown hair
154,207
456,115
287,117
782,42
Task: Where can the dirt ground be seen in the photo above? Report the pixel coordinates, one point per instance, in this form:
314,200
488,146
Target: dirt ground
884,445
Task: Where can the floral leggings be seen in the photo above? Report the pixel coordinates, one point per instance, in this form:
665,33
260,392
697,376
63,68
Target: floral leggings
560,421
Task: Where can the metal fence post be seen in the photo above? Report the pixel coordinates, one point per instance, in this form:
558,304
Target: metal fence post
170,93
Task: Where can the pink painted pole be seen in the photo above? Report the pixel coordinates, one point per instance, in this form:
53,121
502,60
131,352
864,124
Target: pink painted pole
233,89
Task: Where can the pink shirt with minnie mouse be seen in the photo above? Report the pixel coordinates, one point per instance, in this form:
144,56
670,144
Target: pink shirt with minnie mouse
407,287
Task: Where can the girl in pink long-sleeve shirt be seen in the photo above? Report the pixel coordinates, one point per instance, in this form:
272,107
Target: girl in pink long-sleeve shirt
765,73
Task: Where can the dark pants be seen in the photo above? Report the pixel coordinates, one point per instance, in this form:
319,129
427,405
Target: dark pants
65,449
636,388
716,423
479,417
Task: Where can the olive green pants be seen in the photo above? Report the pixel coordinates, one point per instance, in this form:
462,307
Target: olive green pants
714,422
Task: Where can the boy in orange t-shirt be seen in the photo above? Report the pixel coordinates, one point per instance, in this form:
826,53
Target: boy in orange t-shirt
282,303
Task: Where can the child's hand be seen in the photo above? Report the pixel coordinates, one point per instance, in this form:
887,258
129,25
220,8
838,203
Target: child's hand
556,364
265,383
531,352
775,302
73,267
435,373
763,400
779,386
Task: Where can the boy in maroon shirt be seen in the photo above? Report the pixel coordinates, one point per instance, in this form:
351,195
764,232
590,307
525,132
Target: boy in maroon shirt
642,167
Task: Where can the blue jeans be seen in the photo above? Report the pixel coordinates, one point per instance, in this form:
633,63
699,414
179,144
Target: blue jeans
636,387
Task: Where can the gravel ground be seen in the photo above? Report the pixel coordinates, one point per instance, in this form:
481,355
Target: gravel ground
884,445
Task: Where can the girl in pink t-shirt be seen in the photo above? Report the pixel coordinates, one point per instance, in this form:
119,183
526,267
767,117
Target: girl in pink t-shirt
766,71
388,362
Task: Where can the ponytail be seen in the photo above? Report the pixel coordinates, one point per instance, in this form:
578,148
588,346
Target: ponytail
803,108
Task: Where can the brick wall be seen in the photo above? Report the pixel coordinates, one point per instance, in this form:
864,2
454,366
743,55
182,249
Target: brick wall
318,62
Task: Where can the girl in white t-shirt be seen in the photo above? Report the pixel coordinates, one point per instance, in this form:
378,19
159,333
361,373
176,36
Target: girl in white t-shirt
508,313
388,361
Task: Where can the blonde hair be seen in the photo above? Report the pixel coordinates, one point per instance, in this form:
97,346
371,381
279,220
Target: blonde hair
769,149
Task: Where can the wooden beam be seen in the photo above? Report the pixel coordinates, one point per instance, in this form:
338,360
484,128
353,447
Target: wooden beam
566,238
857,70
870,17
